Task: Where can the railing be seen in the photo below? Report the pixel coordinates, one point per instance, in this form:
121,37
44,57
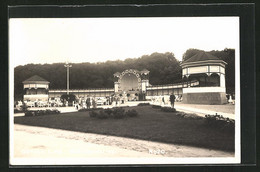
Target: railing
83,90
178,85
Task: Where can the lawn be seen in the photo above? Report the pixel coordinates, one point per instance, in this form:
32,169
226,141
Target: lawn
151,124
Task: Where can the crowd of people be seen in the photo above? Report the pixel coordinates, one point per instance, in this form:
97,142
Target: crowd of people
166,99
93,102
114,100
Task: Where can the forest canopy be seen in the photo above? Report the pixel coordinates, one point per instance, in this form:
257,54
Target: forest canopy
164,69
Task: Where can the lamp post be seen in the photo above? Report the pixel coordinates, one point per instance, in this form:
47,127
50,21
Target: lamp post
67,65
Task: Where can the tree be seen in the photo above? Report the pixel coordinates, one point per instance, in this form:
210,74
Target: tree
189,53
164,69
68,97
228,55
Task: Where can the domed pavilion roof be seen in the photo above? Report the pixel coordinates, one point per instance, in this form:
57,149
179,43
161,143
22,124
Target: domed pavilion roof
35,79
202,58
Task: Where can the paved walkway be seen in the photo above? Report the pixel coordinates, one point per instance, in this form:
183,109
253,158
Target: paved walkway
227,110
40,142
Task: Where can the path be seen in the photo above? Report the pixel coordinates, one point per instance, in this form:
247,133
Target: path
226,110
43,142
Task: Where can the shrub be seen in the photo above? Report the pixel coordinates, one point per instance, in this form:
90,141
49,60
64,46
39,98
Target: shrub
156,106
93,114
29,113
108,111
143,104
56,111
118,113
18,111
41,112
86,110
24,108
220,122
188,115
168,109
102,115
132,113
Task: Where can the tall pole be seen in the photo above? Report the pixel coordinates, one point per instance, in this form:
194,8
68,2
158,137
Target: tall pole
67,65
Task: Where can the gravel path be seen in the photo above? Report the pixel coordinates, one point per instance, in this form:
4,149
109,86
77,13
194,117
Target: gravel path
147,148
226,108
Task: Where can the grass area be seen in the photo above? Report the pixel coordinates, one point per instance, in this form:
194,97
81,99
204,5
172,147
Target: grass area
151,124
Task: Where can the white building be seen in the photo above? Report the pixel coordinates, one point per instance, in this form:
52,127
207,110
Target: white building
203,83
35,89
209,71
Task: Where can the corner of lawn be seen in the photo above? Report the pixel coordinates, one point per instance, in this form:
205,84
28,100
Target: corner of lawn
150,124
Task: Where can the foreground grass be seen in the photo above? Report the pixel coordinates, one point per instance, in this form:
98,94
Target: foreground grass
151,124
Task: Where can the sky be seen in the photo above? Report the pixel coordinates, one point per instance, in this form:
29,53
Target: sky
76,40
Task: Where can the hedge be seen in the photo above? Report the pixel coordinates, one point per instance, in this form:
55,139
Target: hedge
42,112
116,113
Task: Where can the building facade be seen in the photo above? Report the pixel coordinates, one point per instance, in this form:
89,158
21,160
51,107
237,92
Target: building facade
36,89
209,71
203,83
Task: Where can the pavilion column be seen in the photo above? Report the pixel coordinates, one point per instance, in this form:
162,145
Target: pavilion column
222,80
116,84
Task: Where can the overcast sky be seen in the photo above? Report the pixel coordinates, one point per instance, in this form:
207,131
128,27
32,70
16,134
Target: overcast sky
101,39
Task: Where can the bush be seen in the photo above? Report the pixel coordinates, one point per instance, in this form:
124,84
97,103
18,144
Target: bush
220,122
86,110
143,104
156,106
29,113
102,115
168,109
109,111
93,114
188,115
41,112
18,111
132,113
24,107
118,113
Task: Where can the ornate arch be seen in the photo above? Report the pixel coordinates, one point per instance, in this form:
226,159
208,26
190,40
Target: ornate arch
132,71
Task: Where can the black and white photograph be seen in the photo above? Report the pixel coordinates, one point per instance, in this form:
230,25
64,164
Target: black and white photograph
124,90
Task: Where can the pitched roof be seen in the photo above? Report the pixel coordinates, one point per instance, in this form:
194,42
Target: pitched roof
145,71
116,74
35,78
201,56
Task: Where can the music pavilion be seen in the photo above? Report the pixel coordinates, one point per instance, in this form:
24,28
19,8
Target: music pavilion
203,83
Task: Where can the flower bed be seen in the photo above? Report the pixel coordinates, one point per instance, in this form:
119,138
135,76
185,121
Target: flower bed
117,113
220,122
156,106
188,115
143,104
85,109
168,109
42,112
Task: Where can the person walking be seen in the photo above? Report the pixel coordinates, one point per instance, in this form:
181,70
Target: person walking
172,100
116,100
163,102
88,103
94,103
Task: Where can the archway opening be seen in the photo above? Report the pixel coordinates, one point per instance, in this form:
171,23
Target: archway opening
129,82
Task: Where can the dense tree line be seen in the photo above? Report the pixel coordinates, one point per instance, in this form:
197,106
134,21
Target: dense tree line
164,69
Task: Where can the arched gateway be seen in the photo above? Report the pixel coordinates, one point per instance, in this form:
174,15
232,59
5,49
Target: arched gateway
131,82
203,83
